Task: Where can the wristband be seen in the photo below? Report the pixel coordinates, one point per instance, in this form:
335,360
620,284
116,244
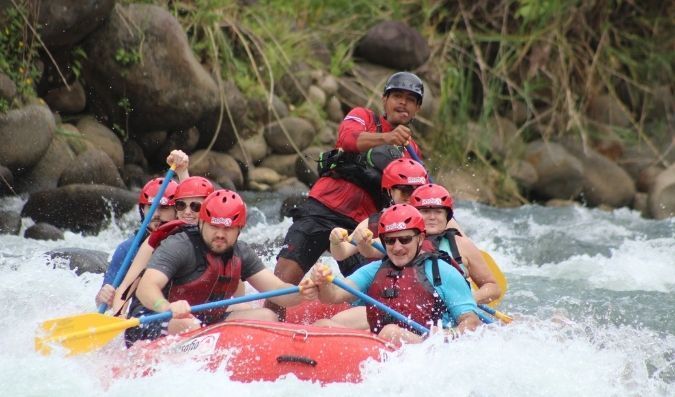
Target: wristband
158,303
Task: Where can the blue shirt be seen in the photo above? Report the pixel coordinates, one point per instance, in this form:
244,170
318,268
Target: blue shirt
116,260
453,291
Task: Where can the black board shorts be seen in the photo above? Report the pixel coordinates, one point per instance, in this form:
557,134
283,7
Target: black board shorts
307,238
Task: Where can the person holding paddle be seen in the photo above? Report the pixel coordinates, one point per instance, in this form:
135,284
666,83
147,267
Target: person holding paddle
163,214
205,263
188,198
417,284
342,197
435,204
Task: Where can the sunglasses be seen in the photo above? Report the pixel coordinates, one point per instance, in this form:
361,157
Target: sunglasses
405,189
182,205
401,239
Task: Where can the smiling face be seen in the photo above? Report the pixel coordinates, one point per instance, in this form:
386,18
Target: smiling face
402,246
217,238
400,106
435,219
187,209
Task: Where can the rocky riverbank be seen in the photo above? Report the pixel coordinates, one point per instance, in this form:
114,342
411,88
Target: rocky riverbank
103,122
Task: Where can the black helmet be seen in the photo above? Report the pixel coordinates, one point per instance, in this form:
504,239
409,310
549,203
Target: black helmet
405,81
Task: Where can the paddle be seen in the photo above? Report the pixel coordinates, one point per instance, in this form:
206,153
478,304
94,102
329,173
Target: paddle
81,334
139,235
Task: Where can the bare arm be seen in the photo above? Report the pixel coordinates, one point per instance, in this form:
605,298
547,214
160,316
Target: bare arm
265,280
140,262
340,248
149,290
480,273
468,322
398,136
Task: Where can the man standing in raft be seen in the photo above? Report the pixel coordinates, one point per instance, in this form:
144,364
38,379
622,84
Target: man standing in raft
204,263
417,284
343,199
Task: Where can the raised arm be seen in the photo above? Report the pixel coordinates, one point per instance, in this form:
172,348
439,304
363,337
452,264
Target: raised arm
480,273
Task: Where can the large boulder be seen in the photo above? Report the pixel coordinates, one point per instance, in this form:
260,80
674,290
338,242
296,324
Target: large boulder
7,87
25,135
279,135
141,56
220,167
91,167
306,165
661,198
608,110
43,231
394,44
102,138
231,116
80,208
78,259
46,173
284,164
254,150
67,99
560,174
65,22
604,182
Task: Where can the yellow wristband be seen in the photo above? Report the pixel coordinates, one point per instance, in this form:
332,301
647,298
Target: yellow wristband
159,302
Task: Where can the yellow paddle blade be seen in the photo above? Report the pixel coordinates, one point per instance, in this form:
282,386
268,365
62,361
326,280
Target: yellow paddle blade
80,334
499,276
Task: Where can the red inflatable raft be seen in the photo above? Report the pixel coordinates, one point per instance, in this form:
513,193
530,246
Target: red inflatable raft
259,350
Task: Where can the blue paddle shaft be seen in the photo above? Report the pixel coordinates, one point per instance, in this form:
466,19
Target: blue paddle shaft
227,302
384,308
139,235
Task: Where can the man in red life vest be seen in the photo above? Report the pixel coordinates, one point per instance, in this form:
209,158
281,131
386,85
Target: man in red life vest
204,263
339,199
415,283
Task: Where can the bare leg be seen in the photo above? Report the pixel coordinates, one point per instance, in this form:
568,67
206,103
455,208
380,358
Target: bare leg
253,314
180,325
397,335
354,318
289,271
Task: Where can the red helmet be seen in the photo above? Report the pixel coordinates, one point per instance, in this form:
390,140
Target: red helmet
404,172
431,196
223,208
151,188
400,217
194,186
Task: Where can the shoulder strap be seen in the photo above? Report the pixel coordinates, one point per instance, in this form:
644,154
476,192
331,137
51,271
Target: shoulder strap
376,119
450,235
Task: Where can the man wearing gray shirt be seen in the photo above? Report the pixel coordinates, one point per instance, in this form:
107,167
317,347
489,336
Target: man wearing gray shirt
204,263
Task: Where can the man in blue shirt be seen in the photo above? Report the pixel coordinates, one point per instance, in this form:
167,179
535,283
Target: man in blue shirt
413,282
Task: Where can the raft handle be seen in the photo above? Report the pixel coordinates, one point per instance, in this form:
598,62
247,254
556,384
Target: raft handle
296,359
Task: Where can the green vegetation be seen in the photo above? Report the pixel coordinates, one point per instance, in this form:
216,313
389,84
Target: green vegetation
18,51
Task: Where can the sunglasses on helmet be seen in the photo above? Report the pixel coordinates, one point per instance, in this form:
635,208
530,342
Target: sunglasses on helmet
405,189
182,205
401,239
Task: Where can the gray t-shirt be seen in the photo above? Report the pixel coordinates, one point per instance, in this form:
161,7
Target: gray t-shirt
176,258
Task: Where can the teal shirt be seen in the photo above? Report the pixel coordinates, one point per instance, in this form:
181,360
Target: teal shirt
453,291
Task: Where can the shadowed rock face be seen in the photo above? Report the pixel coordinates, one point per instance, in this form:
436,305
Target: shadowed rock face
394,44
65,22
141,55
80,208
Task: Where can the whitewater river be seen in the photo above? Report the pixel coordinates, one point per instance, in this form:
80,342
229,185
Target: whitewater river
594,293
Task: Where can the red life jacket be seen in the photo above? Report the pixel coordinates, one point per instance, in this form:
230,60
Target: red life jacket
217,275
406,290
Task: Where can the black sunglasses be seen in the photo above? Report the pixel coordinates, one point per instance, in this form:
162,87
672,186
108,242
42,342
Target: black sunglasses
182,205
405,189
401,239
